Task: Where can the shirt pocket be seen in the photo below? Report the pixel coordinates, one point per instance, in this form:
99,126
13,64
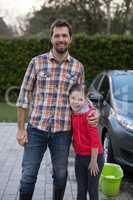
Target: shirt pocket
69,79
43,79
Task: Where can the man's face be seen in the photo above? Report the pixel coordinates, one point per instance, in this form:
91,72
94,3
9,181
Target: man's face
60,39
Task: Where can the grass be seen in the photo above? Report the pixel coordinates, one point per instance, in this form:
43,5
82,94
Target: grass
7,113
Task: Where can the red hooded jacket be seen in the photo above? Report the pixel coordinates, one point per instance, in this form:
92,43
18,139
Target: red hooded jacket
85,136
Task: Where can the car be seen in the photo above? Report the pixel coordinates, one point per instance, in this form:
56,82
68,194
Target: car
112,93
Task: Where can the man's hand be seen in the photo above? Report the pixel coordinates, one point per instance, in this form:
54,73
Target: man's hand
21,137
93,117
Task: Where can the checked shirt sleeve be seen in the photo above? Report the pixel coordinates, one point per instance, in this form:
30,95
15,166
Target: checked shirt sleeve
81,79
27,86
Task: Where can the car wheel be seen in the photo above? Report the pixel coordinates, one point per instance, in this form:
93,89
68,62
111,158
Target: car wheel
107,149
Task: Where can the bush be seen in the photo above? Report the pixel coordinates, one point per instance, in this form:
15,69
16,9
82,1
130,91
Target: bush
97,53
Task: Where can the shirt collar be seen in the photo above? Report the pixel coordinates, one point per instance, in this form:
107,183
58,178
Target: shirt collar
51,57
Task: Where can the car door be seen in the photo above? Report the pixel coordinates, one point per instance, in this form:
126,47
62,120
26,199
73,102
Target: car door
96,83
104,109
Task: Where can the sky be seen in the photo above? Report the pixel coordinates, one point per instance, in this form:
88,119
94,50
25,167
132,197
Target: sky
10,10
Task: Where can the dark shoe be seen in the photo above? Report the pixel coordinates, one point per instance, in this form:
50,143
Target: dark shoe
58,194
25,196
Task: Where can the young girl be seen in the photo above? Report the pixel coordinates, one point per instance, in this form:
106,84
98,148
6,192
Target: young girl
89,159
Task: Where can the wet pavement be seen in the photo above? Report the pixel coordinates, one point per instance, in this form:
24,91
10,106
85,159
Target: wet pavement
10,172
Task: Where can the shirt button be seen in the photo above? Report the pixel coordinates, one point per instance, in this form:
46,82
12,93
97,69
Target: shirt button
52,114
56,87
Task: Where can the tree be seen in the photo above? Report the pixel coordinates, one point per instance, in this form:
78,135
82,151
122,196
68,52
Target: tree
123,18
108,8
89,16
85,16
40,20
5,30
127,14
92,17
117,21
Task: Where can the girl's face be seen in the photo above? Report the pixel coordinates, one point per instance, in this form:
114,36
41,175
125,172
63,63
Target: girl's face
77,100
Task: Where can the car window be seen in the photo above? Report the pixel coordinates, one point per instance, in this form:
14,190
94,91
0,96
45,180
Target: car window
123,87
97,81
104,88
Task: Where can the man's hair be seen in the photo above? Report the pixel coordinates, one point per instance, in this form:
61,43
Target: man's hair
60,23
79,88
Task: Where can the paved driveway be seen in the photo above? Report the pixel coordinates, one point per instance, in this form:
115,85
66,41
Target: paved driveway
10,172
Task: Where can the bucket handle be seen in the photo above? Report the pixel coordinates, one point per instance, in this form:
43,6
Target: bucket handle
119,167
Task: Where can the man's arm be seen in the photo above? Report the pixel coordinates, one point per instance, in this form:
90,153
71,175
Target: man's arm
23,102
21,135
93,117
21,113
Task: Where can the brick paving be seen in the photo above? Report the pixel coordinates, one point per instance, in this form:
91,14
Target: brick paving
10,172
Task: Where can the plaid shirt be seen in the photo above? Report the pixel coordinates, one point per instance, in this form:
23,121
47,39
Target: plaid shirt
46,88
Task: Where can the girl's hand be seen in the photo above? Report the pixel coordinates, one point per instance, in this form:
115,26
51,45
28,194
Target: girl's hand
93,167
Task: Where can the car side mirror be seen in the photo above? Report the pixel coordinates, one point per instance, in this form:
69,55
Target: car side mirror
96,99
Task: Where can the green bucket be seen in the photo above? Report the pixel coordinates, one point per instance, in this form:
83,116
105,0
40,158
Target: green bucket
110,179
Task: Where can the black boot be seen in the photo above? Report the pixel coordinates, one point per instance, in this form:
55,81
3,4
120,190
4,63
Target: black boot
58,194
25,196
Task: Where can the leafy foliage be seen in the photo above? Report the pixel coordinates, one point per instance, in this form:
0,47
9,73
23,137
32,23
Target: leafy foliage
97,53
89,16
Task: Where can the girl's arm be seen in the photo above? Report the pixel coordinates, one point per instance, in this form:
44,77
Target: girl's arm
93,166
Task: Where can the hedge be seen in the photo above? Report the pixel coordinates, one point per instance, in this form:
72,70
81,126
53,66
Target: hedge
97,53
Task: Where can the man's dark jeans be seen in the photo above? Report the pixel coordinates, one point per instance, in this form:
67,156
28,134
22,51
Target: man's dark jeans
38,141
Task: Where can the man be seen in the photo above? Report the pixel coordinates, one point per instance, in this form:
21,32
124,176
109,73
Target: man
46,87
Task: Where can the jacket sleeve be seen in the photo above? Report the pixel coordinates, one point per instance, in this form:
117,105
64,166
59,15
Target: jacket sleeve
94,134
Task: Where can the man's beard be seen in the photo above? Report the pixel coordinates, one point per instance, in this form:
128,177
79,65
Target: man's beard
61,50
